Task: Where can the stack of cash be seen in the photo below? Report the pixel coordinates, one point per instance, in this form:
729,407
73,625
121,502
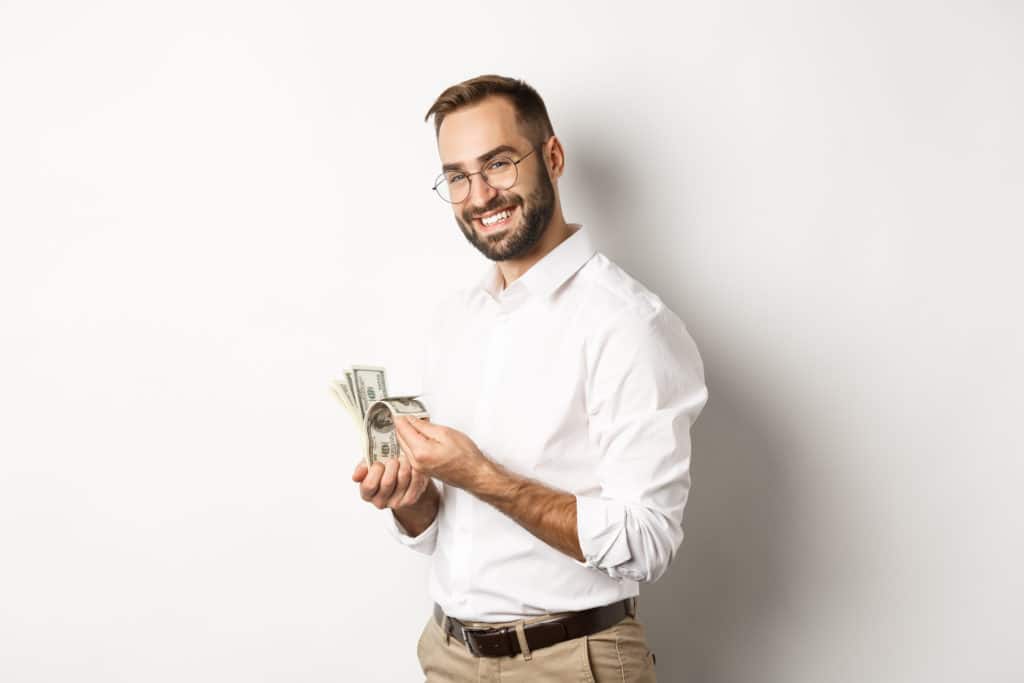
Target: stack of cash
364,394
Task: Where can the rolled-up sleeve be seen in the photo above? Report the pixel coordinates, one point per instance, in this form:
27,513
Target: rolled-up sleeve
424,543
645,388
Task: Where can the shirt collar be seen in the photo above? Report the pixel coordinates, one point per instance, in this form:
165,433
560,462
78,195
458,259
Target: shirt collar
550,272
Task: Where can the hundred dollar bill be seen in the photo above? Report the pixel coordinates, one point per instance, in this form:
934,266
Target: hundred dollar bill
343,392
363,394
371,384
381,439
351,386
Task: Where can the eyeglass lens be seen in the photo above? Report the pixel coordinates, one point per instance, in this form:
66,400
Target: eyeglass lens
499,173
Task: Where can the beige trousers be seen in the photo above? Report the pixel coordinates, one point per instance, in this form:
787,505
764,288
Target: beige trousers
618,654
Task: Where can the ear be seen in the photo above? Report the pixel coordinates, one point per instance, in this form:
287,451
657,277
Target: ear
554,157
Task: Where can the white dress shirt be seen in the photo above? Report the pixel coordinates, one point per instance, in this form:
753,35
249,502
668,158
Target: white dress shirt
578,377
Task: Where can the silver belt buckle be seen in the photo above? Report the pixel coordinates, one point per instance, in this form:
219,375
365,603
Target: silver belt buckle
467,638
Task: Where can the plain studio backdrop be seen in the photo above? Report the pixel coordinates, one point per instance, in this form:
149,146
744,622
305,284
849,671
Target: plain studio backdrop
209,209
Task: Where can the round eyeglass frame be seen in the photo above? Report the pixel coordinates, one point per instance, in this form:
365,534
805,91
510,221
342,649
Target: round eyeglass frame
469,176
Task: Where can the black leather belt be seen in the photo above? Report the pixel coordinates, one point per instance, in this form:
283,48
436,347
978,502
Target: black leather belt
503,642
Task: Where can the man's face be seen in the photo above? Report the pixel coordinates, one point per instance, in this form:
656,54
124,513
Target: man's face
467,135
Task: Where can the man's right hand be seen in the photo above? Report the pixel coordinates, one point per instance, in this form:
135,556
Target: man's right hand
394,484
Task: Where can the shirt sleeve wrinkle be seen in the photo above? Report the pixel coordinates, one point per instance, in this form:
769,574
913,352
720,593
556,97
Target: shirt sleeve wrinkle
424,543
645,390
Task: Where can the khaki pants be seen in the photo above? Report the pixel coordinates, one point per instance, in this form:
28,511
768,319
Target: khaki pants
618,654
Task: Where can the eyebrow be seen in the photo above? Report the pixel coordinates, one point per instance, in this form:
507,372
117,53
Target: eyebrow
483,157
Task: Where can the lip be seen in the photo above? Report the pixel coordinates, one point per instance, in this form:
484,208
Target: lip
489,228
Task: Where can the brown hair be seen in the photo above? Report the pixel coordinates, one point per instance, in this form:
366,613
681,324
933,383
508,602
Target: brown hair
531,113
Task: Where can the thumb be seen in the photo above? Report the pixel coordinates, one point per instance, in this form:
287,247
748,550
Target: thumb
426,428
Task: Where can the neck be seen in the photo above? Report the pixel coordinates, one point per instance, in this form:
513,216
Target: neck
557,232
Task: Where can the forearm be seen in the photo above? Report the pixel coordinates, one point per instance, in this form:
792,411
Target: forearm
417,517
547,513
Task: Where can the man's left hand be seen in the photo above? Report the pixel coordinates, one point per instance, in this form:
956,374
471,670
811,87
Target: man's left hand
441,452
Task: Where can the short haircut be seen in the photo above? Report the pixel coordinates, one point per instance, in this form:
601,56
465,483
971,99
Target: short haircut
531,113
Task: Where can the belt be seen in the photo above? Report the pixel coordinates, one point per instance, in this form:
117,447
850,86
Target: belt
503,641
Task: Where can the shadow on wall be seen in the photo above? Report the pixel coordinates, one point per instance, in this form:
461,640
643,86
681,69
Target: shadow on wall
729,579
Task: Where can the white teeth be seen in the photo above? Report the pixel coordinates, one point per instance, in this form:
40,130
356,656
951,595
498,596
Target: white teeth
491,220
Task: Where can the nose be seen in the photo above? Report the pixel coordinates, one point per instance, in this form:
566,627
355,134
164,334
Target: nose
480,193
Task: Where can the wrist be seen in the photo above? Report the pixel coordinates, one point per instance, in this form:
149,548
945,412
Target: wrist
415,518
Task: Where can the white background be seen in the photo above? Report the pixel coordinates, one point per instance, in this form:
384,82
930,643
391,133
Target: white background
208,209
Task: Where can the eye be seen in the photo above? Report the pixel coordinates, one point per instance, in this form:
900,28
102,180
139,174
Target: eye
497,164
456,178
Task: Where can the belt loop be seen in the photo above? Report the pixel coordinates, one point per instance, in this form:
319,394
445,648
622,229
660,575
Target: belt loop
523,645
447,633
632,606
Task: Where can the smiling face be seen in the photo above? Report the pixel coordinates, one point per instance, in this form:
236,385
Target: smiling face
468,139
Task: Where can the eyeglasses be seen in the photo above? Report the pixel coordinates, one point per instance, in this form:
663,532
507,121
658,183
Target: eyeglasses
501,173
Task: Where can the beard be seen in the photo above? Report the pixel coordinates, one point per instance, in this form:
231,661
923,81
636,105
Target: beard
535,214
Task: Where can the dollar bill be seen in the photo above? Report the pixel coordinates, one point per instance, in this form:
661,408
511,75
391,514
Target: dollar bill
346,397
363,394
371,384
351,384
381,439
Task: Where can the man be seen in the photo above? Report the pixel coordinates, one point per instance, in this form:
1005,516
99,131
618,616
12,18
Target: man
578,387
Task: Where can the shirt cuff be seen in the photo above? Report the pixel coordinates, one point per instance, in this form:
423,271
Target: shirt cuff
601,526
424,543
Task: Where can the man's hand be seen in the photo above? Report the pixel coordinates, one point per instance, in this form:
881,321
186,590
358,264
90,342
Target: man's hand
442,452
452,457
394,484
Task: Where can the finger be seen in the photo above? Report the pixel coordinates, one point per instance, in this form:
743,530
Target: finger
412,436
368,487
360,472
401,483
409,495
413,462
417,485
387,483
426,428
